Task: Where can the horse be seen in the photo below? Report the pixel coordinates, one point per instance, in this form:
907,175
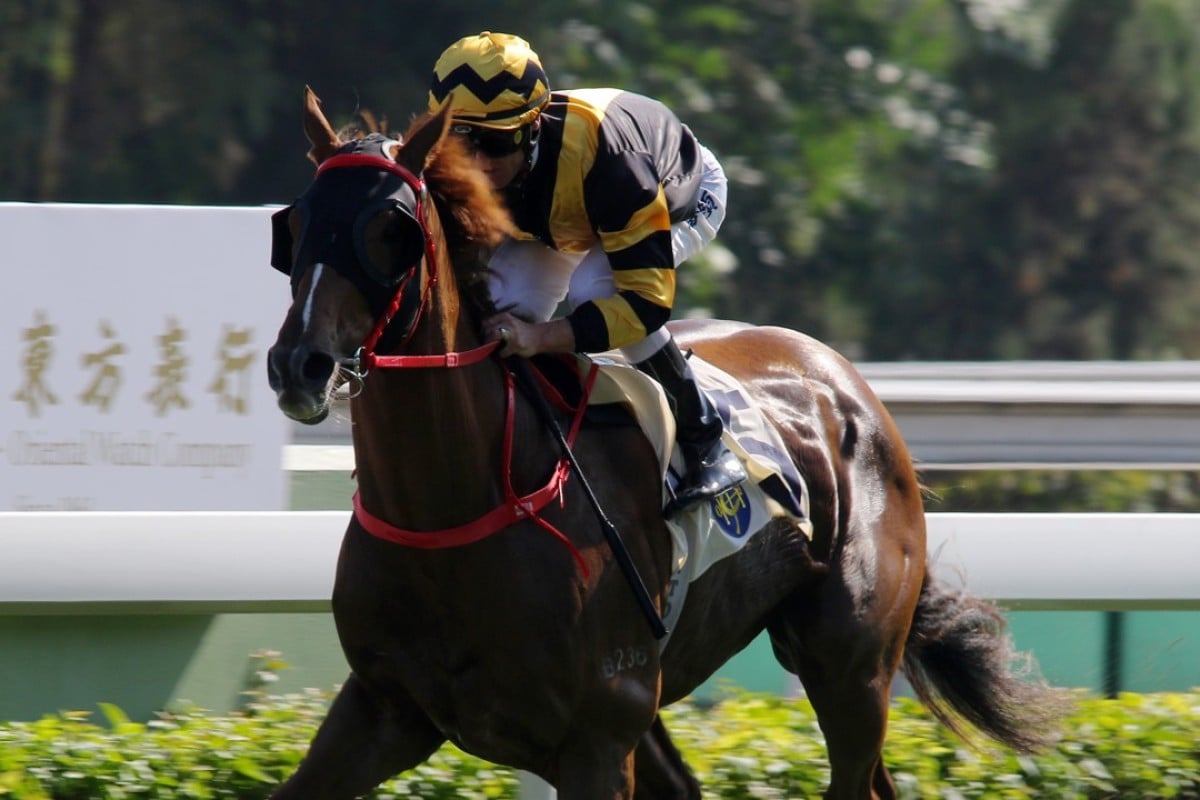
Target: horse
477,600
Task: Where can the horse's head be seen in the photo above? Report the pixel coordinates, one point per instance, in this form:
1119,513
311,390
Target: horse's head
355,246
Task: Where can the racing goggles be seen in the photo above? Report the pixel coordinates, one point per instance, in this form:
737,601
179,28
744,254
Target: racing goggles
491,142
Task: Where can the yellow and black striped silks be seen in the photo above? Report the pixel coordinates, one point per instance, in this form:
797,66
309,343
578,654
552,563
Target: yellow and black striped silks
618,169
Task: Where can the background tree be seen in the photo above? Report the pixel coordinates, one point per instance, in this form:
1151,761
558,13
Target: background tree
1076,238
935,179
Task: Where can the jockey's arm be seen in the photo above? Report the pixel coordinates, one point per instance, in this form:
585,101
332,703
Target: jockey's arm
636,237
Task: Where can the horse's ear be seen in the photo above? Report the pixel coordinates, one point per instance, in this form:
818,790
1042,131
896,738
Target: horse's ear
320,133
421,143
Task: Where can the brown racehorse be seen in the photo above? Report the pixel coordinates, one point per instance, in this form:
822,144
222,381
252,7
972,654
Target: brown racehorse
525,646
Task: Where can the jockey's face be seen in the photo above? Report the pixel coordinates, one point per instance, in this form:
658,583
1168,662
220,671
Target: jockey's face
500,170
500,154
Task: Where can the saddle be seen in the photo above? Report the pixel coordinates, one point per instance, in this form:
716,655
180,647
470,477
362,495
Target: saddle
707,532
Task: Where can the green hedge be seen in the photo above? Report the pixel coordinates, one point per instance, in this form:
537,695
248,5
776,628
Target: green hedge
746,746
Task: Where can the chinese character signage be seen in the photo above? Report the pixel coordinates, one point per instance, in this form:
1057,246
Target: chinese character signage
136,340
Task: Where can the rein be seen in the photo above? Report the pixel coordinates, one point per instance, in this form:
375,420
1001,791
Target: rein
515,507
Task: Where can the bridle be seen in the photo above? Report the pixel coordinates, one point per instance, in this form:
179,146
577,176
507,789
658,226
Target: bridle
514,508
365,358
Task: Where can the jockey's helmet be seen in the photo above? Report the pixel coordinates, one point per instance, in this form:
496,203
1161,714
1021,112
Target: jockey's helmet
492,80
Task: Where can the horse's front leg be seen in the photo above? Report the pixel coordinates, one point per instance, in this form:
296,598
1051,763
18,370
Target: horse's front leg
598,771
660,770
597,760
361,744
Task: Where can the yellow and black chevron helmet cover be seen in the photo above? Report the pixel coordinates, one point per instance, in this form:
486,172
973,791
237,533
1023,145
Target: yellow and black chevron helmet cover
493,80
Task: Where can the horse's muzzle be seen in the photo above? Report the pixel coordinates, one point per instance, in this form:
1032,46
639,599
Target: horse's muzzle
301,379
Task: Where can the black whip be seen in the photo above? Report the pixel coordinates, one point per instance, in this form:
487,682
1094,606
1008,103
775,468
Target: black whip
520,370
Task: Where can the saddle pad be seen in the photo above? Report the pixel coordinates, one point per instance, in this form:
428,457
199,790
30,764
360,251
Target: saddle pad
708,532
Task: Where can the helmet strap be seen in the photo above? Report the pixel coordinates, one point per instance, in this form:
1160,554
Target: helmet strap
535,130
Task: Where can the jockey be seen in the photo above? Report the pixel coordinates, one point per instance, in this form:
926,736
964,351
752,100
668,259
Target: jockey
610,193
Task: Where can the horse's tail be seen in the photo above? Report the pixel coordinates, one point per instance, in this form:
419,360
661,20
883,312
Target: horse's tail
961,663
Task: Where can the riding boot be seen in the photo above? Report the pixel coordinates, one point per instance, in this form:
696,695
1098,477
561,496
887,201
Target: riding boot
709,467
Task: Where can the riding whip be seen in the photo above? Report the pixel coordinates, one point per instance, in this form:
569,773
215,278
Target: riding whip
520,370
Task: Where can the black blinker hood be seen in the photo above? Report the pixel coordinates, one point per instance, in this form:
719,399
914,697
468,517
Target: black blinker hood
333,212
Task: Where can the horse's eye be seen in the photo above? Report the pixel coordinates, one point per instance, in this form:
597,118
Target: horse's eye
386,227
393,230
382,234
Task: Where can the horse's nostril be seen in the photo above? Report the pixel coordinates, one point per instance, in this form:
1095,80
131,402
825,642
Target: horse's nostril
317,368
299,368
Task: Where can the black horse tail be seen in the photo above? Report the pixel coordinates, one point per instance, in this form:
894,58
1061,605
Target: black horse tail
961,663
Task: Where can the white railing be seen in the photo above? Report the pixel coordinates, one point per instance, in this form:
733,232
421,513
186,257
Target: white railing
284,561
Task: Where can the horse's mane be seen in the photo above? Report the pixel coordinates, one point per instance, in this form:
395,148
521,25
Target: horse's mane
473,216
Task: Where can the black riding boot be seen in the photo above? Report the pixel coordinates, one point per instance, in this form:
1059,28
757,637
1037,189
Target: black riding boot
709,466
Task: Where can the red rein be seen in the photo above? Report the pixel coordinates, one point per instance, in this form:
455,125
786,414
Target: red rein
515,508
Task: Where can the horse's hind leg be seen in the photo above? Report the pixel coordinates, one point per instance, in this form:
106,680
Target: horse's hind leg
844,640
659,768
848,686
360,745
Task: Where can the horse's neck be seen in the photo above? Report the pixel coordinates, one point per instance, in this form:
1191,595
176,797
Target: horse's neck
427,440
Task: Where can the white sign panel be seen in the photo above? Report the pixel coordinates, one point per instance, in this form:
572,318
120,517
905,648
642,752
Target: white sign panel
135,342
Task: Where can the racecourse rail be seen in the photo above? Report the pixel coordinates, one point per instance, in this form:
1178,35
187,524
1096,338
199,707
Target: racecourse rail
216,562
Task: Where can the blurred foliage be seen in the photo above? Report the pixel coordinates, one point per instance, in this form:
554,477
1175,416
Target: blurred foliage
1132,747
1046,490
911,179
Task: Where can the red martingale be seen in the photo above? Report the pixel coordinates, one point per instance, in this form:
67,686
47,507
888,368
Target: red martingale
515,507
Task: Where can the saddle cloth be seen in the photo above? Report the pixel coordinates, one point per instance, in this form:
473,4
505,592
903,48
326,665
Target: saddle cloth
708,532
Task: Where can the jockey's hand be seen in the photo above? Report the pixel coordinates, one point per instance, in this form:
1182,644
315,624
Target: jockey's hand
513,334
527,339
